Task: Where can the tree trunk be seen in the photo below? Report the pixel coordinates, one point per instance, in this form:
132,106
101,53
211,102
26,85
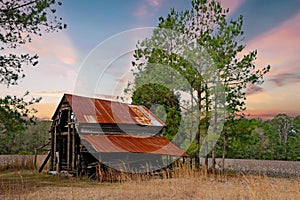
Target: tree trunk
214,143
285,139
206,124
223,154
197,159
213,158
198,134
206,156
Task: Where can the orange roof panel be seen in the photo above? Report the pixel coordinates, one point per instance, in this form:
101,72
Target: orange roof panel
133,144
91,110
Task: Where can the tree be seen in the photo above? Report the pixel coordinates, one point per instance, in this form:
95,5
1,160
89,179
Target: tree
25,141
245,139
283,137
257,139
20,20
163,103
284,125
294,143
202,45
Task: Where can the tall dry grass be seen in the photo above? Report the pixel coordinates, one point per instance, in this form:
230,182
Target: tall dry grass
20,162
182,183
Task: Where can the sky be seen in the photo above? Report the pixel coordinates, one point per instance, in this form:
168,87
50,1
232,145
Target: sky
92,57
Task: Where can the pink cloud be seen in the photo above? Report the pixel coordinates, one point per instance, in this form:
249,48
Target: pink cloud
57,59
155,3
141,11
279,47
146,6
232,4
62,71
282,99
253,89
56,47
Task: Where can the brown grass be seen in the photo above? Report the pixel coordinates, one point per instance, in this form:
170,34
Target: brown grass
20,162
184,183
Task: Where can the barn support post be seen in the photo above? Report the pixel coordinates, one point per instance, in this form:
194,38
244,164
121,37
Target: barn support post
68,141
45,162
73,146
59,144
52,150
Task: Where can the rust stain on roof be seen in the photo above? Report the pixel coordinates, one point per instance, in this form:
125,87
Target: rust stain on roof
91,110
140,116
133,144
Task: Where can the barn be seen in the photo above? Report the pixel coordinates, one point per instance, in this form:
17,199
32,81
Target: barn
89,132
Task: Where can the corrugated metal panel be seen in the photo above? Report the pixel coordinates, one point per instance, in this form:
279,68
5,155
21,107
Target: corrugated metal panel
133,144
140,116
90,110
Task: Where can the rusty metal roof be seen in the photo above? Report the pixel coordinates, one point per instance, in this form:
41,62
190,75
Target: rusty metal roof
92,110
133,144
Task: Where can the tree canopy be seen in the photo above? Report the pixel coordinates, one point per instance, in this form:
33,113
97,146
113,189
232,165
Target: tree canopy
274,139
206,49
163,103
19,22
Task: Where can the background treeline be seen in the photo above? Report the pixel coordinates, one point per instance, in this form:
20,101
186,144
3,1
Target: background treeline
275,139
25,141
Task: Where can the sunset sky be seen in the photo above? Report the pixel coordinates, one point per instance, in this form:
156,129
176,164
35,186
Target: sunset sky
93,55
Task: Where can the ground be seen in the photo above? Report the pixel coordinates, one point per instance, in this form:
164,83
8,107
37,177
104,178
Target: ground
184,185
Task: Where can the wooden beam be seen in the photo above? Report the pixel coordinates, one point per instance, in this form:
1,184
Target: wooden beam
45,162
54,145
68,141
52,150
73,146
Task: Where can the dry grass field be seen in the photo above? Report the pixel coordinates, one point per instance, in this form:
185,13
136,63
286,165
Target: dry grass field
18,180
184,184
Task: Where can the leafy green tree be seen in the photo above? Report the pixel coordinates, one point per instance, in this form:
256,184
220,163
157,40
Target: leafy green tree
296,125
241,138
20,20
14,118
275,139
284,125
245,141
202,45
295,143
163,103
25,141
283,137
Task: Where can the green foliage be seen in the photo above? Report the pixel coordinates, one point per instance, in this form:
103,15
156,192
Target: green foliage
283,137
202,45
24,141
276,139
163,103
19,22
14,113
245,139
